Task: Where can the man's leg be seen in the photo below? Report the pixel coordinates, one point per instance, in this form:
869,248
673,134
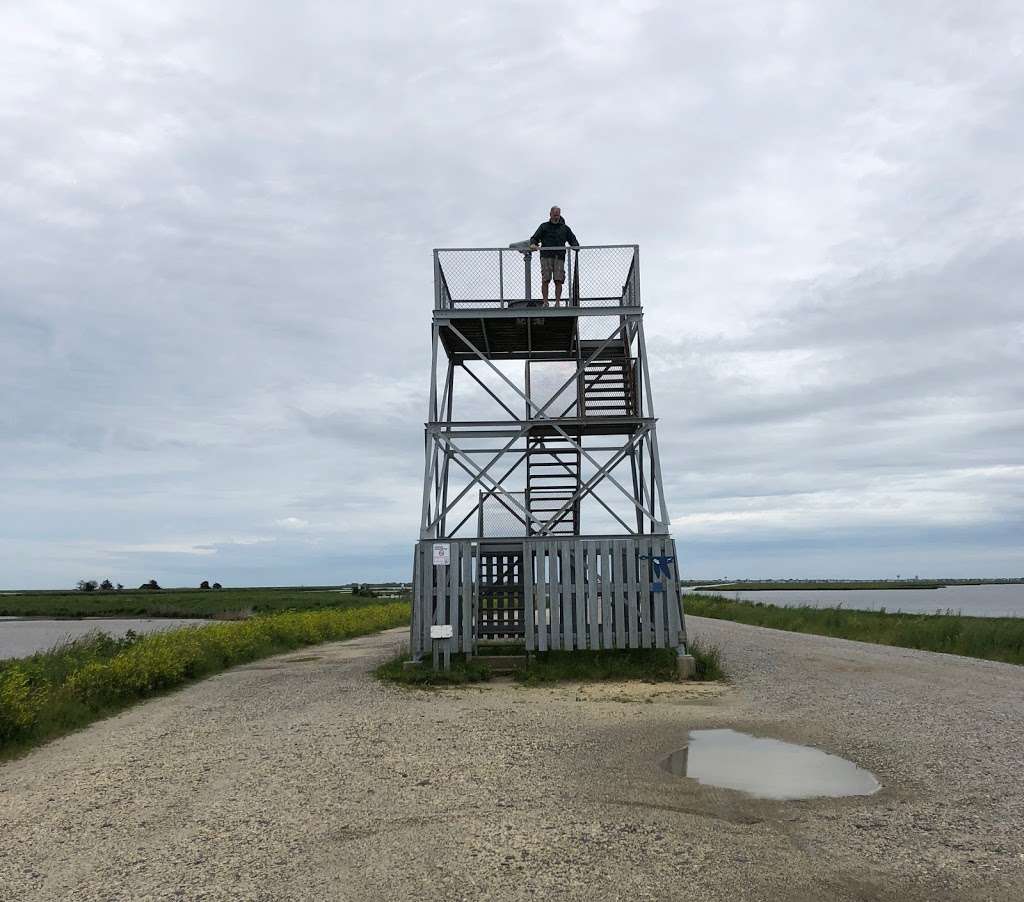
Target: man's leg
544,288
558,273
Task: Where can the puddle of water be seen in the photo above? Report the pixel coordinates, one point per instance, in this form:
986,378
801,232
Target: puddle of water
767,768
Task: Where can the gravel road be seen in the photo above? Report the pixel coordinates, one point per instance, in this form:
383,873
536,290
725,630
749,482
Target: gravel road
299,777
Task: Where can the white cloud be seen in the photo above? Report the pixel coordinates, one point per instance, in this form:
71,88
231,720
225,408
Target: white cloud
292,523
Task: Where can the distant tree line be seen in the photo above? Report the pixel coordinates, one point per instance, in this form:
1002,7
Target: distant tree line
91,585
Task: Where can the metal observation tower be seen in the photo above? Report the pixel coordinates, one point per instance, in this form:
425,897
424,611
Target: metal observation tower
544,518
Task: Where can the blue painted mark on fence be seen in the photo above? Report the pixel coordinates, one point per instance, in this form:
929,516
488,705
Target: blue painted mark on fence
662,565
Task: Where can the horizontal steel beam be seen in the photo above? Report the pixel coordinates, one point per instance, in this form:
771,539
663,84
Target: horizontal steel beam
443,316
520,449
574,247
569,422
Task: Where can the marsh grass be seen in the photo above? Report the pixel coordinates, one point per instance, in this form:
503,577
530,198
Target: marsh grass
991,638
51,693
845,584
227,604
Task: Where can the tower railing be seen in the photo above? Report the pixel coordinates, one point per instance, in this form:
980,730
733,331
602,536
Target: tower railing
493,278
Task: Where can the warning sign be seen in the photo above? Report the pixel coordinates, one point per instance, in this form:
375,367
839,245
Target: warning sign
442,554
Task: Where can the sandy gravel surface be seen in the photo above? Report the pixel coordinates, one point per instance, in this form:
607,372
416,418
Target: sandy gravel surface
299,777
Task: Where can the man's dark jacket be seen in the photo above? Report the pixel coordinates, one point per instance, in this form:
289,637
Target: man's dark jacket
554,234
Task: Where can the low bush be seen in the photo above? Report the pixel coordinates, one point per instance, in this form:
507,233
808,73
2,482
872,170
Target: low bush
53,692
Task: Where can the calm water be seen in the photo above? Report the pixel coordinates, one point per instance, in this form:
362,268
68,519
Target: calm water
25,637
975,601
767,768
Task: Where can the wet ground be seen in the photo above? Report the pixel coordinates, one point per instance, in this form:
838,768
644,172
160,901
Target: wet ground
767,768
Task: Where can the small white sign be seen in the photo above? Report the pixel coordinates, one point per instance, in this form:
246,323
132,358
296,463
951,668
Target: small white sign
445,631
442,554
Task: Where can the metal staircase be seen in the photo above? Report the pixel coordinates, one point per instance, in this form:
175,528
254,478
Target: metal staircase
608,383
552,477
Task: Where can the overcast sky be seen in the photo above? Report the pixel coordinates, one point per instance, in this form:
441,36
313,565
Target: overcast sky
215,279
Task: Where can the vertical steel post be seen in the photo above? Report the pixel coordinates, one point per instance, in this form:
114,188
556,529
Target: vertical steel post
656,475
437,281
430,450
449,392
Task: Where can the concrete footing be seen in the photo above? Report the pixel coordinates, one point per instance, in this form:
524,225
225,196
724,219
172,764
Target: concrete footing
686,667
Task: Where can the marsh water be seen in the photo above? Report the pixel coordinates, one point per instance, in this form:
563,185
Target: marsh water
972,601
767,768
20,636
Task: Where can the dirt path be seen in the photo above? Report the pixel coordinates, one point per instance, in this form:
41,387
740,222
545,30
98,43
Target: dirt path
299,777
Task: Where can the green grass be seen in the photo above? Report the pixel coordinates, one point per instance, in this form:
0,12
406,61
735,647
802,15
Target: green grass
651,664
648,664
423,674
172,602
836,585
708,658
992,638
51,693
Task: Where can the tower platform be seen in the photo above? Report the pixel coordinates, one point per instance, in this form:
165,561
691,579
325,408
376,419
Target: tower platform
537,333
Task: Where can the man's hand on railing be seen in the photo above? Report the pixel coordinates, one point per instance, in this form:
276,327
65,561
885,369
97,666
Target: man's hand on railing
533,247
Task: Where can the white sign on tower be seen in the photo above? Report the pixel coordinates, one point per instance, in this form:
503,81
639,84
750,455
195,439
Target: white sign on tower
442,554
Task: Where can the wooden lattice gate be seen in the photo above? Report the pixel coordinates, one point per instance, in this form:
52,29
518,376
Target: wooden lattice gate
500,607
550,593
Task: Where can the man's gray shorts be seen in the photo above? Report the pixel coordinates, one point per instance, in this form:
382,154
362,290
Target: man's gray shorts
552,268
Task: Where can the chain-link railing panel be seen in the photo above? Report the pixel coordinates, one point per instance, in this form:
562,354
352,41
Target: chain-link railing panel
500,515
489,277
598,328
603,274
471,277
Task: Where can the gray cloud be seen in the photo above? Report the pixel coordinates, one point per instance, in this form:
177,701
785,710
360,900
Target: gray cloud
215,225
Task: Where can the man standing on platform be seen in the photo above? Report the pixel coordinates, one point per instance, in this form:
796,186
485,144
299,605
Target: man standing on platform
551,234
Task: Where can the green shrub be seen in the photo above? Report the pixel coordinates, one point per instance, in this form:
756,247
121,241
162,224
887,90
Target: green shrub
53,692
